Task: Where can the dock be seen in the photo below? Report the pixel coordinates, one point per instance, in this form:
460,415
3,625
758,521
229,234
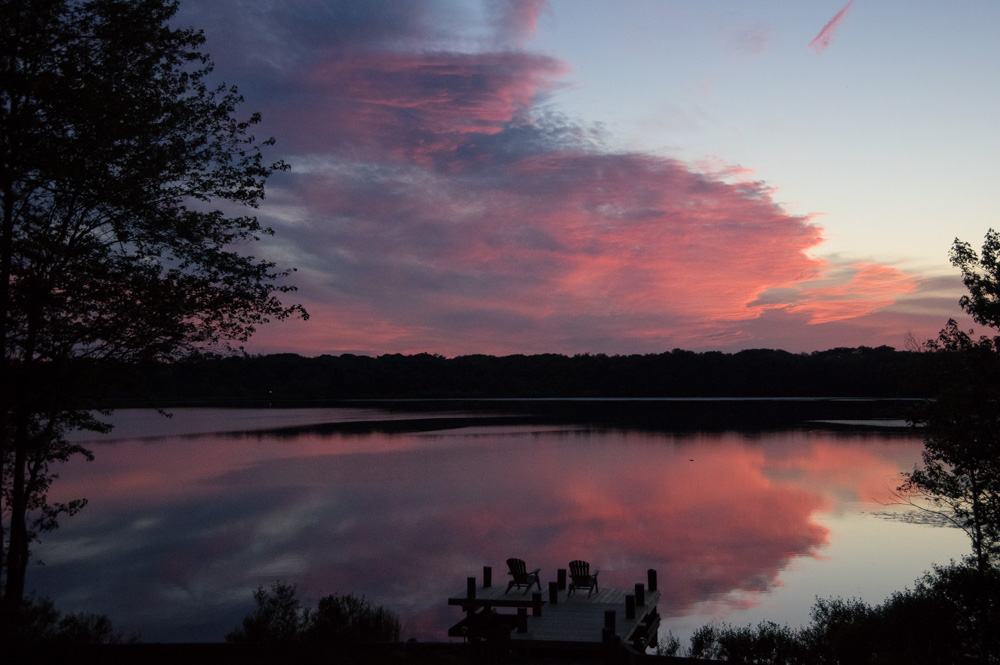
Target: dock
555,618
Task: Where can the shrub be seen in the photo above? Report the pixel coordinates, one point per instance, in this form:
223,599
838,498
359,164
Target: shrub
337,619
37,621
950,617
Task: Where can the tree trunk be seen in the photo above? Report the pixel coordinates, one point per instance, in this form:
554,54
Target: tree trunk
6,269
978,546
17,552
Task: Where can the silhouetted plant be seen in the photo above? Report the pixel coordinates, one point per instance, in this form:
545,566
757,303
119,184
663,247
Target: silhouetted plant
350,619
768,642
338,619
960,475
128,181
277,618
950,617
38,621
959,478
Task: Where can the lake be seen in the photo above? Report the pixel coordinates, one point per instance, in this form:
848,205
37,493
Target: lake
188,515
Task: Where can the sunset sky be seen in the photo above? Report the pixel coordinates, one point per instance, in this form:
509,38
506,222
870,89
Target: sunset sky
597,176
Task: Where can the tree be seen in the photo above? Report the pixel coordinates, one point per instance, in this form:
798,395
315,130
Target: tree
39,622
960,476
981,275
350,619
337,619
278,617
127,186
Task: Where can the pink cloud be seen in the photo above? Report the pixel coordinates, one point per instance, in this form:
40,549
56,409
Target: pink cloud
435,204
829,31
516,20
572,251
413,107
869,289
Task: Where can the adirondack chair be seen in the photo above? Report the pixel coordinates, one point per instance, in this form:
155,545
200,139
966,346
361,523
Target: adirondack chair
580,577
520,575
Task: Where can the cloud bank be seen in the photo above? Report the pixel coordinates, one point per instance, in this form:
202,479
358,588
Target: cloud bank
438,201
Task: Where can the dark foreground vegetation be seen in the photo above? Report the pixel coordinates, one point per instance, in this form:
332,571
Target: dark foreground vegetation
951,616
289,378
337,619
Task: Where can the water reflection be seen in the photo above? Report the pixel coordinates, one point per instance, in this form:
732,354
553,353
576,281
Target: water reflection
180,529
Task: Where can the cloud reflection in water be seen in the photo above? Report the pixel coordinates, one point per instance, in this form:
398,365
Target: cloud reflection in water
180,530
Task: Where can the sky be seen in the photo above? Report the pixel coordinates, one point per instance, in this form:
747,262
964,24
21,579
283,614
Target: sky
598,176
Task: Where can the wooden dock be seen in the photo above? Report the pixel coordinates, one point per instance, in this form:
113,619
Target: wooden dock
555,618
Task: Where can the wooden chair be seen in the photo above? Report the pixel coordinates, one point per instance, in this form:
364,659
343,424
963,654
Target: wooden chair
520,575
580,577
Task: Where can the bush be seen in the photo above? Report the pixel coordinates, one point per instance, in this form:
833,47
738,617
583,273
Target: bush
767,643
350,619
37,621
337,619
951,616
278,617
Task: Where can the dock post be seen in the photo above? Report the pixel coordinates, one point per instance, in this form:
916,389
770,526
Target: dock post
536,604
522,619
630,606
640,594
651,575
553,593
487,577
470,587
608,635
561,578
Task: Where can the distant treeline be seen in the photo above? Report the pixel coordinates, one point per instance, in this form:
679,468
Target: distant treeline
287,378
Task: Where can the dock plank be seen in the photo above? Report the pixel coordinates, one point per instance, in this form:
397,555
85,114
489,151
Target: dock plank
581,619
572,618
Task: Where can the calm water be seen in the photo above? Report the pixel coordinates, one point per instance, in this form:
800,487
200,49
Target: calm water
187,516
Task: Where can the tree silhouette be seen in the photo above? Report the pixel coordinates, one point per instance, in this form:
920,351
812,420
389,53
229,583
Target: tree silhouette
123,179
960,475
337,619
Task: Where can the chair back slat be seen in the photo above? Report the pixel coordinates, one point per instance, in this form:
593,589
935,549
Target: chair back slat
518,569
579,569
579,572
520,576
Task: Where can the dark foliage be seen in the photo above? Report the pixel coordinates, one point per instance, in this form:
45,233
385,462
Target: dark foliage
127,183
960,475
37,621
337,619
950,617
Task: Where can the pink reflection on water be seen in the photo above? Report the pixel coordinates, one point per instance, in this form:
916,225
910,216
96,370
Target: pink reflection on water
191,525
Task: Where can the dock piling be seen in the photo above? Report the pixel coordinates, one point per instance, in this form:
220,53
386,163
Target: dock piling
536,604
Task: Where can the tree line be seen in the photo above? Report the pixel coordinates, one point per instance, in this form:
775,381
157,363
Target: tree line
289,378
